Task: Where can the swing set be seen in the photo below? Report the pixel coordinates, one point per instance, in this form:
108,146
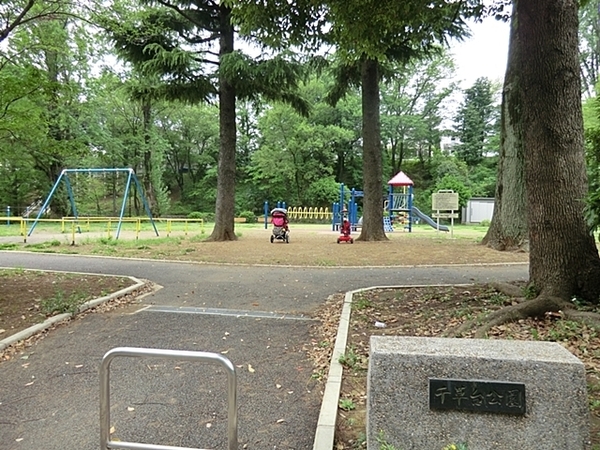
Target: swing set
64,175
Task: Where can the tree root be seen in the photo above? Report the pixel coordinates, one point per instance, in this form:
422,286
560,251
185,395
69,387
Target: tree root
536,307
507,289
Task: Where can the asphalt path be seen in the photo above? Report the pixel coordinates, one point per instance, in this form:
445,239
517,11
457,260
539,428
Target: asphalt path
49,396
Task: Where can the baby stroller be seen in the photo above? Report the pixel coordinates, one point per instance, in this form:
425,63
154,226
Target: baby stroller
281,231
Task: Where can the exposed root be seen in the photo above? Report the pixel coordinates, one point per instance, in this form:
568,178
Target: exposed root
507,289
536,307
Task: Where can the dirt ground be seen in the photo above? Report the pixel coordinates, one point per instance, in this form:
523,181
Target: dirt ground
28,297
431,312
308,247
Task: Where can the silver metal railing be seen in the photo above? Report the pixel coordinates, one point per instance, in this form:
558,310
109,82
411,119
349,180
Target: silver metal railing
106,443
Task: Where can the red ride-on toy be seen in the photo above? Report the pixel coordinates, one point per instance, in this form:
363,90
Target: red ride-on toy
345,231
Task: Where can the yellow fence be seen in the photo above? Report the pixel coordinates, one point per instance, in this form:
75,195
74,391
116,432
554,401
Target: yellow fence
109,225
309,213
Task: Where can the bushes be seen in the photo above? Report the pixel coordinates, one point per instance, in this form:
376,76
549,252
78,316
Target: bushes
207,217
248,215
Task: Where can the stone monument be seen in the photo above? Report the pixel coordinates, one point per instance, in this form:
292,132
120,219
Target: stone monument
428,393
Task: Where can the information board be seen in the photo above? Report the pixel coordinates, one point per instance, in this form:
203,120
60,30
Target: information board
444,201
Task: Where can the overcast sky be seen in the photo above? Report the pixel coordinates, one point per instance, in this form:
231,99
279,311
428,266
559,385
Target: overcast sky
484,54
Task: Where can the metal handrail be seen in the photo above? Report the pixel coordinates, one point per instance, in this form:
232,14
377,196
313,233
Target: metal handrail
106,443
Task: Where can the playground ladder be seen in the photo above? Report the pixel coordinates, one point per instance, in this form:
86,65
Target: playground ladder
214,358
387,225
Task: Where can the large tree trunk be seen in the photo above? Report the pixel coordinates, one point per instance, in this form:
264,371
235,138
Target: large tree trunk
372,227
147,161
563,257
225,205
508,230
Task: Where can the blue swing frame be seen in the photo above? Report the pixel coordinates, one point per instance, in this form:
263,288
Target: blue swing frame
64,174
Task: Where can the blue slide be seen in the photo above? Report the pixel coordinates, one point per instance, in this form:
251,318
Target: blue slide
428,219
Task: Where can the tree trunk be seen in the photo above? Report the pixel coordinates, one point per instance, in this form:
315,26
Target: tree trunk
508,230
225,205
147,162
563,260
372,227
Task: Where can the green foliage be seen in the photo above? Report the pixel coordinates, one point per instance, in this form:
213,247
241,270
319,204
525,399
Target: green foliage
411,114
454,183
393,30
207,217
383,444
294,155
530,292
347,404
248,215
591,110
361,302
350,359
477,122
61,303
323,192
564,330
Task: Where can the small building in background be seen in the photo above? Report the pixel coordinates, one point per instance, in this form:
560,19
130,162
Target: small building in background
477,210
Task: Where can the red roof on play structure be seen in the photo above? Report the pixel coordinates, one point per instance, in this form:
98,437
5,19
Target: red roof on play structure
400,179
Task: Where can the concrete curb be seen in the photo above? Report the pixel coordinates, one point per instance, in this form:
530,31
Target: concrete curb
325,433
28,332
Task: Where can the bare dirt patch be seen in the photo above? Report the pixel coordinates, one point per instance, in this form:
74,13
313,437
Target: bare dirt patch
308,247
431,312
28,297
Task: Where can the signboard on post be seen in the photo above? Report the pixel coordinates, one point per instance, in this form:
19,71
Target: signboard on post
444,201
443,205
445,215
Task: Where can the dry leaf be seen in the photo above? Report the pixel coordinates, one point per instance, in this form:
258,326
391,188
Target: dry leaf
112,430
250,369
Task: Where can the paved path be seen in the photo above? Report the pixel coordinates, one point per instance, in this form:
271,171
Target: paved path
50,399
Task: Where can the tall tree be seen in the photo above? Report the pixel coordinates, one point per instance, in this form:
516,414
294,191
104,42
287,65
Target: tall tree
190,45
368,34
476,122
564,259
410,113
508,229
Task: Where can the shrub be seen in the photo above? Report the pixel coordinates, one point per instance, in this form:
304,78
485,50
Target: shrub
207,217
249,216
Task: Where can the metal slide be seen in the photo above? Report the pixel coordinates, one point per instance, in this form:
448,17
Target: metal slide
428,219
